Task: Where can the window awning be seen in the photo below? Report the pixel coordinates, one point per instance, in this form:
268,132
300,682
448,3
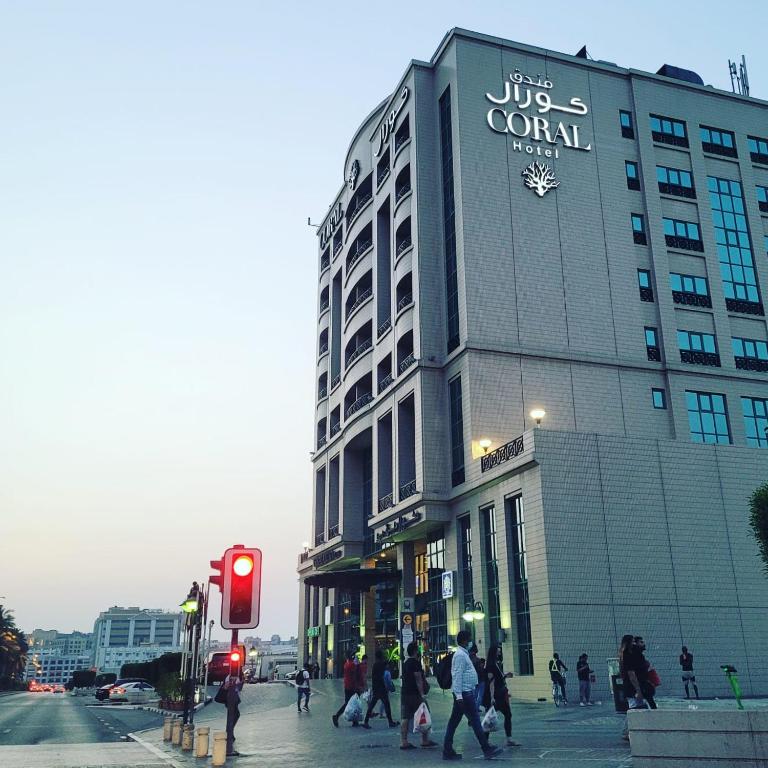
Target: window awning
360,579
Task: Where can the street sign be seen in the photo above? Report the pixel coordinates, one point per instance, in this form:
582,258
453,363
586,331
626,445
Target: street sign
406,627
447,584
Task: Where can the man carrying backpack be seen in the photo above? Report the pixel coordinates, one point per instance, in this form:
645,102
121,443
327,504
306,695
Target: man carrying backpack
302,687
463,685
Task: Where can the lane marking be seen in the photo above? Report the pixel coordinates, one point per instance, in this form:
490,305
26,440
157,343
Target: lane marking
155,751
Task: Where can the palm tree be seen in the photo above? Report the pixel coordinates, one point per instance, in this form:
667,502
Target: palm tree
758,520
13,646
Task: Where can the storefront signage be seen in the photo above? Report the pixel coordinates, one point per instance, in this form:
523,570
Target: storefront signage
331,223
521,92
396,526
389,121
326,557
509,451
313,631
447,584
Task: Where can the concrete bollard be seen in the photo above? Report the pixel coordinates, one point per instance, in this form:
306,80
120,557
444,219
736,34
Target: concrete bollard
187,738
219,748
167,723
176,732
201,746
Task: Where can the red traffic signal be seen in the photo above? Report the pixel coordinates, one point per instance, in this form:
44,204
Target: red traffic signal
234,657
241,591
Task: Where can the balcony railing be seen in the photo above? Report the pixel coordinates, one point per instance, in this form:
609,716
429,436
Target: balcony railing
385,502
699,358
324,305
319,539
683,243
400,140
384,327
646,294
303,557
407,362
366,294
405,301
336,246
325,263
691,299
751,364
653,353
360,249
321,441
361,349
407,489
335,428
361,402
385,382
402,191
323,349
359,205
322,393
404,244
333,531
742,305
335,381
381,175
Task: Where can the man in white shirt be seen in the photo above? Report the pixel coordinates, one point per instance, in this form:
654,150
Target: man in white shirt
302,684
463,684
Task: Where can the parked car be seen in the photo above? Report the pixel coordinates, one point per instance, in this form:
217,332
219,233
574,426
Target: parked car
133,693
59,688
291,675
103,693
218,666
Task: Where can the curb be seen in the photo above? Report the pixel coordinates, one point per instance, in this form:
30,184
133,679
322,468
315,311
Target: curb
155,751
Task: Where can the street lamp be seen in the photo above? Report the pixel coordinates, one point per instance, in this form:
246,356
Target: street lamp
538,414
473,611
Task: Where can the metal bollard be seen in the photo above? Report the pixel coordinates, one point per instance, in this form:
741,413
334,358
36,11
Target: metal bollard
219,748
201,747
187,738
176,732
167,723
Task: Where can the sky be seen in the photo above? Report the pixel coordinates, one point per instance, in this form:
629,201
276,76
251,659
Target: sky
158,162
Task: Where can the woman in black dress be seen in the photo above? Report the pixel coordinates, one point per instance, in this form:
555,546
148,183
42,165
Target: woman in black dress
497,687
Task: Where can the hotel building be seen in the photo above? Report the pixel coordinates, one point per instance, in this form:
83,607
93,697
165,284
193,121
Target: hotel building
522,230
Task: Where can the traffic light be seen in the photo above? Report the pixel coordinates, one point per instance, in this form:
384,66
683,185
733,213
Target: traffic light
218,565
241,588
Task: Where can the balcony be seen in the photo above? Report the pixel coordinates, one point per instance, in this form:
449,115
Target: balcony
361,402
385,382
361,247
407,362
407,490
381,176
683,243
401,138
385,502
691,299
384,327
360,202
364,296
405,301
325,262
359,352
319,539
333,531
699,358
335,381
404,245
322,393
751,364
321,441
335,428
336,246
401,192
744,306
323,350
324,305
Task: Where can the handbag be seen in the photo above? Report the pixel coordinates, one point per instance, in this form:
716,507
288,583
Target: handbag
653,678
221,695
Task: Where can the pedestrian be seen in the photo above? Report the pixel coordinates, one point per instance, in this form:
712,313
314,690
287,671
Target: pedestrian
479,665
584,673
498,690
233,684
351,686
632,673
463,685
379,691
647,688
302,687
412,696
362,670
686,662
276,672
557,670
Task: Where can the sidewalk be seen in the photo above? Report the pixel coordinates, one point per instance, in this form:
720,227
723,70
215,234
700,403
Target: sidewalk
272,733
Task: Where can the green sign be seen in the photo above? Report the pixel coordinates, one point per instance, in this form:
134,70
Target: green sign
313,631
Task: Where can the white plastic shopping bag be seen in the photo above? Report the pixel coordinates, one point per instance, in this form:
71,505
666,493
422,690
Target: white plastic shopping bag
354,709
490,720
366,697
422,720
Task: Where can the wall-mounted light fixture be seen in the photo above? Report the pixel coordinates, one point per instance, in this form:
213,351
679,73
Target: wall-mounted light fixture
538,414
485,443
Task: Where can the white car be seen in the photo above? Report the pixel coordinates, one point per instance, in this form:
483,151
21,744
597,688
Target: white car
133,693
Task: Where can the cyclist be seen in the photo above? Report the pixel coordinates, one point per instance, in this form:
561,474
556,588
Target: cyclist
556,671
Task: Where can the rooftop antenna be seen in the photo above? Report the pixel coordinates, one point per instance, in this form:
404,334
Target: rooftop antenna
739,77
310,224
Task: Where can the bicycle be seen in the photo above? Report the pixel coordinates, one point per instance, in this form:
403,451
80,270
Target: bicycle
557,693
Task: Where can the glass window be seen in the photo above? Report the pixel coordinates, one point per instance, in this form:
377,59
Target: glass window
762,195
637,223
692,341
631,169
627,124
465,554
755,411
493,610
707,417
750,348
651,337
758,148
457,432
688,230
644,278
734,246
718,141
449,224
673,177
667,130
689,284
659,397
519,565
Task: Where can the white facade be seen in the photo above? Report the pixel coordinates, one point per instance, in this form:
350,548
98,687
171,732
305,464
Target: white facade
53,666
